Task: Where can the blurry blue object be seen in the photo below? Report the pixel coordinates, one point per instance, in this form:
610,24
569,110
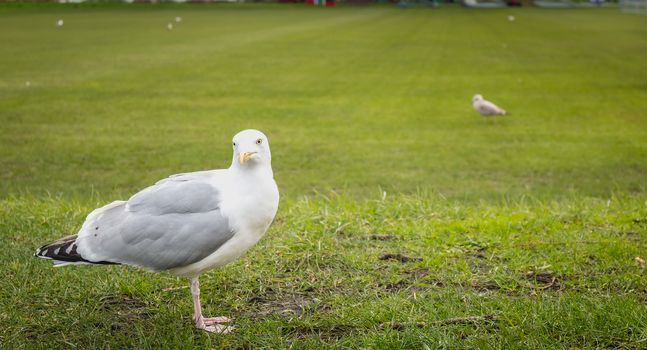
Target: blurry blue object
554,3
484,3
412,3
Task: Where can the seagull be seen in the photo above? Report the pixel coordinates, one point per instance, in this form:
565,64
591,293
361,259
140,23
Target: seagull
186,224
59,23
485,107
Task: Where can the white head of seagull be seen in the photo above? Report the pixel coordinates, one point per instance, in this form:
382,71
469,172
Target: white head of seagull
476,98
251,150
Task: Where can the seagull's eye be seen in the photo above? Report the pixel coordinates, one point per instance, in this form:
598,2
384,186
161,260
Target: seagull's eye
234,144
259,141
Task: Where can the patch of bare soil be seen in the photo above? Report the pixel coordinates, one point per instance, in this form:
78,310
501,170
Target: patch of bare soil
485,286
417,273
642,296
480,260
399,257
413,280
381,237
285,305
125,306
478,253
543,280
395,287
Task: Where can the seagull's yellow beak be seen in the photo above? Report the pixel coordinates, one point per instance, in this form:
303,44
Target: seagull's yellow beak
243,157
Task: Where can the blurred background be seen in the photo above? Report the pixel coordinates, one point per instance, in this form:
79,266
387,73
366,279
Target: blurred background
355,99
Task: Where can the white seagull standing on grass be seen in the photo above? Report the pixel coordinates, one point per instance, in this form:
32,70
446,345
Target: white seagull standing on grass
485,107
186,224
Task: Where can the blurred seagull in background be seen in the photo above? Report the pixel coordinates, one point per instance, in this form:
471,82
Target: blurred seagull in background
186,224
485,107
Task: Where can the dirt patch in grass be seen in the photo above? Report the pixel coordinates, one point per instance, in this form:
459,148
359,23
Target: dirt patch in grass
642,296
381,237
544,280
285,305
414,280
634,236
417,273
124,306
479,259
630,233
485,286
124,310
480,267
399,257
395,287
478,253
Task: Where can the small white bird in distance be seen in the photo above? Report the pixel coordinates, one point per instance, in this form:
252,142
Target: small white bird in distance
169,26
59,23
186,224
511,18
178,19
486,108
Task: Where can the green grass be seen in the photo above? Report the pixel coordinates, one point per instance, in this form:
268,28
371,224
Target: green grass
353,99
317,281
372,131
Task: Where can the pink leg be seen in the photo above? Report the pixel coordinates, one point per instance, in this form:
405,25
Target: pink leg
211,324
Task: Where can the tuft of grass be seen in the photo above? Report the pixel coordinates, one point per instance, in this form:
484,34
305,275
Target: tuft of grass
547,274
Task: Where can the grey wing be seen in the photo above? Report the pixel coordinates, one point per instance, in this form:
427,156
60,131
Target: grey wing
169,225
195,176
182,193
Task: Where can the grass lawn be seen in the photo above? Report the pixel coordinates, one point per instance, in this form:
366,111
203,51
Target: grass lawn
532,222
